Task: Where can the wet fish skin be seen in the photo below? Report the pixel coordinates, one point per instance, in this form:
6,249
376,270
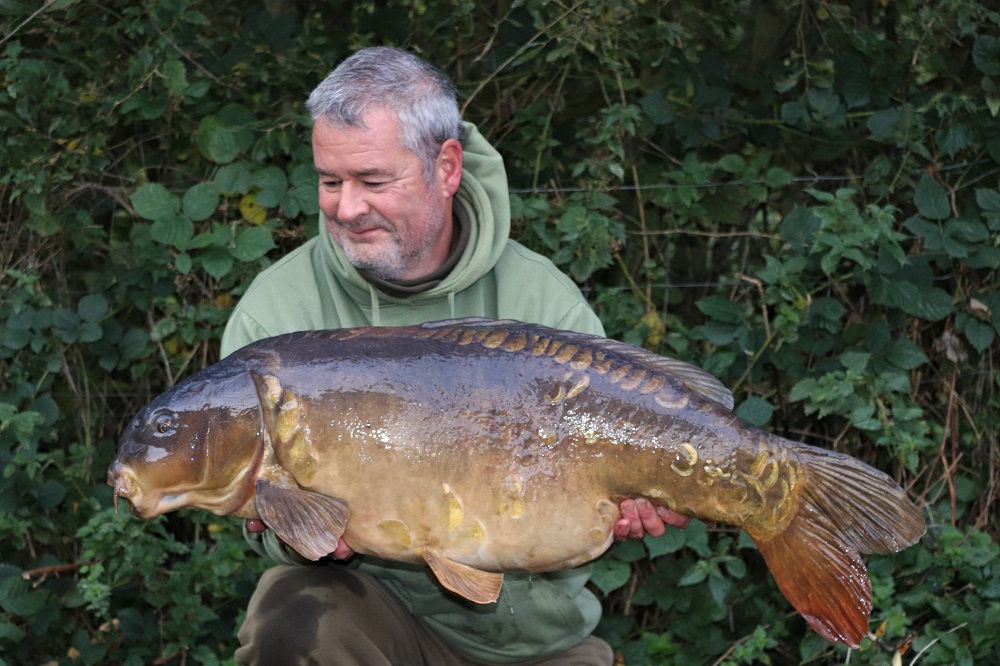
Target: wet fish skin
479,433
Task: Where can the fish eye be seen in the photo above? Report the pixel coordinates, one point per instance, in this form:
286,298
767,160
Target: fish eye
164,423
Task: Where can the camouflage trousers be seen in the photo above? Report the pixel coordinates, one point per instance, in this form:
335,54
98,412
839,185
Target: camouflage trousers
330,615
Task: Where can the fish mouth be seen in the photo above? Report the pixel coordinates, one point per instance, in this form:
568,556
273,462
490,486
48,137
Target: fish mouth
127,487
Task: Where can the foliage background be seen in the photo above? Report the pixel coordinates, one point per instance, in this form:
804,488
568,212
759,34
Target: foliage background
800,196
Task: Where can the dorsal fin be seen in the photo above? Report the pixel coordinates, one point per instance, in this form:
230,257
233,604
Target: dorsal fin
689,376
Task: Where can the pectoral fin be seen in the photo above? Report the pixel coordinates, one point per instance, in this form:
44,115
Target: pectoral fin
483,587
309,522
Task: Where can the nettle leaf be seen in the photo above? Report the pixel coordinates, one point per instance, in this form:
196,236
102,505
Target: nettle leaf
931,199
153,201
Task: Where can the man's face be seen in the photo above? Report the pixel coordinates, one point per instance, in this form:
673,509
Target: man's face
375,201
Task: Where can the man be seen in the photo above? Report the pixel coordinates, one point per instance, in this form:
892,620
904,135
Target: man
415,224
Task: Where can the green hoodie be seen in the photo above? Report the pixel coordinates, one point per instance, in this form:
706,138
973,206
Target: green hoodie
315,287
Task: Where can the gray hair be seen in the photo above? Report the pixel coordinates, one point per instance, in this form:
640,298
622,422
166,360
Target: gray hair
420,95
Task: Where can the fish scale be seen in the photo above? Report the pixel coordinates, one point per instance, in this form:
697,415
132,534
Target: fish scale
484,434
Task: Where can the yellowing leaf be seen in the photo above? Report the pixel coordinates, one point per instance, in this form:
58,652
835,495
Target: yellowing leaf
252,211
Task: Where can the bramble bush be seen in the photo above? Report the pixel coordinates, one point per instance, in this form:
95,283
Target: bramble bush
802,198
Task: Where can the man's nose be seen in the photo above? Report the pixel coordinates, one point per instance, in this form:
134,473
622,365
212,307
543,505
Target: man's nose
352,202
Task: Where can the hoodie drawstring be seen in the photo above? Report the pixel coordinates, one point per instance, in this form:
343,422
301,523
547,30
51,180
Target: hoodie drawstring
376,313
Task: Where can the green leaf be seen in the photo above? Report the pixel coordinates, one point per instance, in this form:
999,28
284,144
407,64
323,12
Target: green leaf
953,139
252,243
721,309
92,307
777,177
17,597
883,124
175,231
201,201
216,261
905,354
931,199
224,137
609,574
988,200
986,54
855,360
800,227
979,334
932,304
236,178
273,184
133,343
671,541
755,411
696,574
732,163
175,76
153,201
183,263
657,108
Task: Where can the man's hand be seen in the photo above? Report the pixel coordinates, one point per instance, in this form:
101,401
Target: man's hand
640,518
342,552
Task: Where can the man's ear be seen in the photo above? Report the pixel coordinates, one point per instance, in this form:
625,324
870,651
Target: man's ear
449,167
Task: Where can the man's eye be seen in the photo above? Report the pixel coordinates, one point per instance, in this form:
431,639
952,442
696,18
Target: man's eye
374,184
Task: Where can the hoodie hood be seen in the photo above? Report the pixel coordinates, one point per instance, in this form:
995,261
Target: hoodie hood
482,200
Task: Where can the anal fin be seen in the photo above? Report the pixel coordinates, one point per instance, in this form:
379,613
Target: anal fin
476,585
310,522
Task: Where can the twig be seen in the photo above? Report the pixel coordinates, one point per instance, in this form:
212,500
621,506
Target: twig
53,569
517,54
928,646
26,21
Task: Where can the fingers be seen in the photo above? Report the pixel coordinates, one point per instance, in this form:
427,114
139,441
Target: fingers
256,526
672,518
639,518
342,551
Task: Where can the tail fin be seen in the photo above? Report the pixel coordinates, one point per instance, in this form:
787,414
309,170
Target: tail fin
845,508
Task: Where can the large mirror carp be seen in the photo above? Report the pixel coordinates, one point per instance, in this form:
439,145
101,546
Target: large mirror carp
480,447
